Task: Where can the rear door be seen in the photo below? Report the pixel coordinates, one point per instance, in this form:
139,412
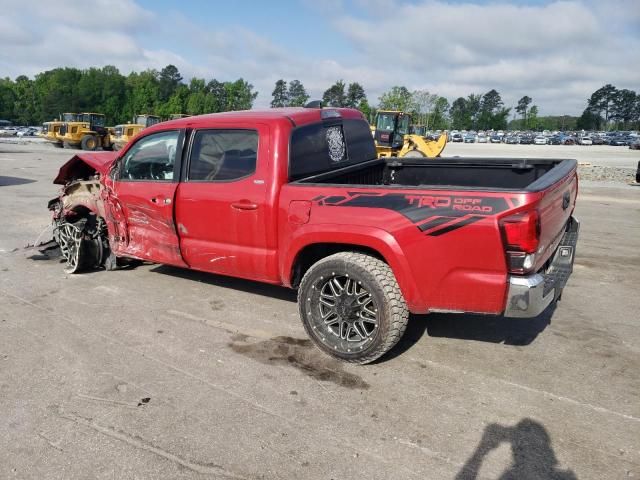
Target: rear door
222,213
140,199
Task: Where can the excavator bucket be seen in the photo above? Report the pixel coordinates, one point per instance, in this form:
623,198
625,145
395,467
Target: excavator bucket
417,146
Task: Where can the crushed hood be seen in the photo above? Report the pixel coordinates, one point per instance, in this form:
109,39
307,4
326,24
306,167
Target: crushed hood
84,165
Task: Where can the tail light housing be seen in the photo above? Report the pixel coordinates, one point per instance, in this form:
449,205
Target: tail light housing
521,235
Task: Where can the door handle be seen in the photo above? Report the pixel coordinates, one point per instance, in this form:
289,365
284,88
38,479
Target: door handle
244,205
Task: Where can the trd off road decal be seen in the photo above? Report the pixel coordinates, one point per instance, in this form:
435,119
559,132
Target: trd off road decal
433,214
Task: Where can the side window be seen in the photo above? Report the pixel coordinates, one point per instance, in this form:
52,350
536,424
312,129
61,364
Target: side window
223,155
151,158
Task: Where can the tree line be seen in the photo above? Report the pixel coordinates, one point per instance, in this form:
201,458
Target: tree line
26,101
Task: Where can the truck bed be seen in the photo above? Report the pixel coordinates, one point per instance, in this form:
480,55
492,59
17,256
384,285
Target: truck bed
528,175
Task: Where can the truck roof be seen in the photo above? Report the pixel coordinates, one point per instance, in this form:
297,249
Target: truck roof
296,115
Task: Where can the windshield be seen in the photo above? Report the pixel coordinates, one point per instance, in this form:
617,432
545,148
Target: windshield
93,119
386,121
71,117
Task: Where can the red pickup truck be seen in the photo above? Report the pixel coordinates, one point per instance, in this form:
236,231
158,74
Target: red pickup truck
297,197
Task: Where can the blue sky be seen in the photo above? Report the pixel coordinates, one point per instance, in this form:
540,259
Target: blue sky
557,52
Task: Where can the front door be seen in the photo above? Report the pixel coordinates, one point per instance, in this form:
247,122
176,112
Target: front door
140,198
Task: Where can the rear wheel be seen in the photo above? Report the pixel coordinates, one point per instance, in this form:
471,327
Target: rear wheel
351,307
89,142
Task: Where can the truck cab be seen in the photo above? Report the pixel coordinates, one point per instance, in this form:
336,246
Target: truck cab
298,197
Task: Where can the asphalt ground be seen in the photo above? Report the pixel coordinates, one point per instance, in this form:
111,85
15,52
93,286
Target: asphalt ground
157,372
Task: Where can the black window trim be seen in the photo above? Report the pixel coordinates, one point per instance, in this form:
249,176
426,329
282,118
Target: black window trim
118,165
188,150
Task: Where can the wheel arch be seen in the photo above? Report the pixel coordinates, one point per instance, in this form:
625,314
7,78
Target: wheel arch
307,249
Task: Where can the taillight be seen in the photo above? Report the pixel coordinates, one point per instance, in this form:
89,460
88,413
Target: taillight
521,233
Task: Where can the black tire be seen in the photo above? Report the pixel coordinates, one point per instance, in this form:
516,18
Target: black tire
369,315
57,145
89,142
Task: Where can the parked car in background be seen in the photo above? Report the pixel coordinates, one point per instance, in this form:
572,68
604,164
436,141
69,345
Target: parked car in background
8,131
495,139
457,138
512,140
568,140
540,140
597,140
526,139
469,138
27,132
635,145
482,138
619,141
586,140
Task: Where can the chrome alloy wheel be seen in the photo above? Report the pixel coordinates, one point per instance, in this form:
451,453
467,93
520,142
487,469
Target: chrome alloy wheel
346,316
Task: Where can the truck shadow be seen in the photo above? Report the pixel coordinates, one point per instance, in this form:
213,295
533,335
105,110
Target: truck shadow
531,450
248,286
9,181
480,328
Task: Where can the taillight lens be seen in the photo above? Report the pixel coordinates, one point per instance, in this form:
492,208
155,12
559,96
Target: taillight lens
522,231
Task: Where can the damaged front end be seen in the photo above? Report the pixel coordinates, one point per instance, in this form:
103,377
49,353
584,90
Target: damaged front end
79,225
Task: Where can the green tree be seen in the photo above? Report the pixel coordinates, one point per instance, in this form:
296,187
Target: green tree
523,106
460,116
142,93
218,94
474,103
355,95
297,94
589,120
439,119
533,117
239,95
423,104
335,95
398,98
169,79
280,95
624,106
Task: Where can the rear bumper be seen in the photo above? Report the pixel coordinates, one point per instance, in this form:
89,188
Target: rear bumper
530,295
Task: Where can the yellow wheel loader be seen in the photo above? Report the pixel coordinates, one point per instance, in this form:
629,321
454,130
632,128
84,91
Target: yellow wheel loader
393,139
51,132
125,132
87,132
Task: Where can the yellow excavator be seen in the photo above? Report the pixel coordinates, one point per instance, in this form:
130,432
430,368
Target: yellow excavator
51,130
392,137
87,131
125,132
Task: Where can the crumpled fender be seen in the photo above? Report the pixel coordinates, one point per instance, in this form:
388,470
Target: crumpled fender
85,165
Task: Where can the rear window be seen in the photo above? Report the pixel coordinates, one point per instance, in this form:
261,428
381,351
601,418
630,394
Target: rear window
325,146
223,155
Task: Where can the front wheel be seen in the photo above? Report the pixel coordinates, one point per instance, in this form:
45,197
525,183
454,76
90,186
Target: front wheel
352,307
89,142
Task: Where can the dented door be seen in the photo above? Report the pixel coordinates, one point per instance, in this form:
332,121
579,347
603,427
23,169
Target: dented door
139,199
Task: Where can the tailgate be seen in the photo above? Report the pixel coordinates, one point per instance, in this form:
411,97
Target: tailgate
555,208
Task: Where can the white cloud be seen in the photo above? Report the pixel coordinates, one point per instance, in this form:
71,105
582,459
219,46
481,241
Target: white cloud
557,53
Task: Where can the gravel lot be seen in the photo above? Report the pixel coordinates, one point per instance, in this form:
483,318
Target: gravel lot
157,372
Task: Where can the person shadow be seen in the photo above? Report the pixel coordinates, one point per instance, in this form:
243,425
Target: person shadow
533,456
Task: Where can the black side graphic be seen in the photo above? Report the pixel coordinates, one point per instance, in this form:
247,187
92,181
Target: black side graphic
433,214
